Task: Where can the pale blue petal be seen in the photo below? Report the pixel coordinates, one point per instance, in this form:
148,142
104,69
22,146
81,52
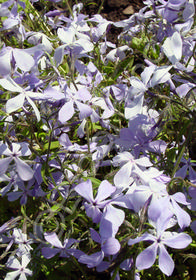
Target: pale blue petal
10,85
144,237
53,239
95,235
111,220
111,246
178,241
161,75
48,252
4,163
135,107
104,191
85,110
23,60
37,113
147,257
24,170
172,47
123,176
166,264
85,190
15,103
66,112
12,275
5,65
92,260
183,217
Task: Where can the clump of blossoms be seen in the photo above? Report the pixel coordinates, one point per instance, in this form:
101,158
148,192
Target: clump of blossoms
97,152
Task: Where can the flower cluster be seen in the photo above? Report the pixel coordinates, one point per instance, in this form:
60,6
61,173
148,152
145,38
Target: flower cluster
96,150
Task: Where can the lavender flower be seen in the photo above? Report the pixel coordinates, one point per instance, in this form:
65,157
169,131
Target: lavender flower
17,102
20,269
93,205
160,220
64,249
17,150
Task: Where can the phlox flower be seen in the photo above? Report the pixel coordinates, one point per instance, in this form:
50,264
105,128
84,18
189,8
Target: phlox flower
22,240
139,135
160,220
17,102
128,164
109,246
64,249
101,28
22,192
20,269
12,57
187,167
71,98
151,76
93,205
74,36
153,190
17,150
13,181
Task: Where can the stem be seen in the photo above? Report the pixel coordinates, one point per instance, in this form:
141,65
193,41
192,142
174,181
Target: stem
180,154
100,7
69,8
42,23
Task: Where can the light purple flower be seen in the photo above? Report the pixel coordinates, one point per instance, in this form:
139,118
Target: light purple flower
109,246
141,193
13,181
187,167
128,164
64,249
17,150
20,269
93,205
23,192
14,58
18,101
23,242
160,220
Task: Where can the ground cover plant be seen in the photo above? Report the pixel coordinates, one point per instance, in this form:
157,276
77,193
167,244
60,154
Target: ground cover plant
97,142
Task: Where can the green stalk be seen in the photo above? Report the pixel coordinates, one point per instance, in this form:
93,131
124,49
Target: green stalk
100,7
69,8
180,155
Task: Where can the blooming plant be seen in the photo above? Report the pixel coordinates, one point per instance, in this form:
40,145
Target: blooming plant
97,152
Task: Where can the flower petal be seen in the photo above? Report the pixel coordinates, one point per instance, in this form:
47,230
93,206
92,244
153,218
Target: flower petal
4,163
85,190
66,112
49,253
147,257
92,260
24,170
53,239
15,103
111,221
111,246
105,190
24,61
178,241
166,264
